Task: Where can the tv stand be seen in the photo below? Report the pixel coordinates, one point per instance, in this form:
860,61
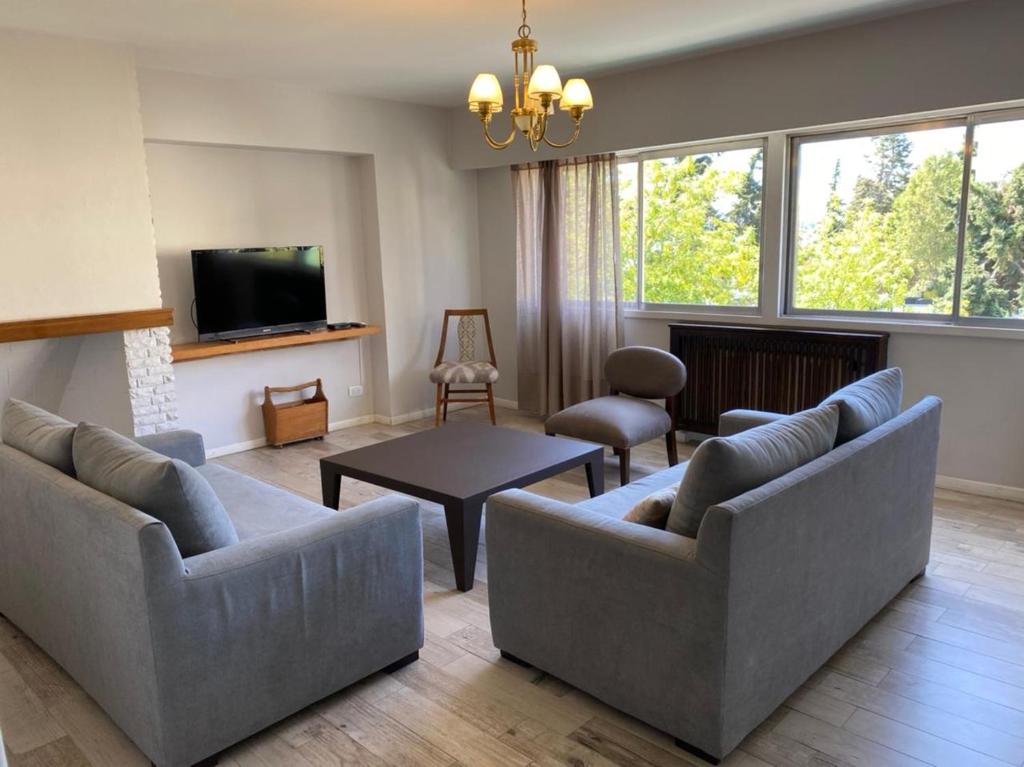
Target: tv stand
207,349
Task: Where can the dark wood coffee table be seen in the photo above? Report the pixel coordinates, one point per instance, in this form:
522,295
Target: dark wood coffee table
459,465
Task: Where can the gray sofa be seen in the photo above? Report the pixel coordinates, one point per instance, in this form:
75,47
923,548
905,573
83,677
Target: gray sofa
189,656
704,637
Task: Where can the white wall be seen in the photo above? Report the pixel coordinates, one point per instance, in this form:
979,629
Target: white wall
76,235
425,242
75,230
217,196
498,271
953,56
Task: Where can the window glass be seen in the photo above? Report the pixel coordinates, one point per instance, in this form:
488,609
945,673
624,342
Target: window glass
877,221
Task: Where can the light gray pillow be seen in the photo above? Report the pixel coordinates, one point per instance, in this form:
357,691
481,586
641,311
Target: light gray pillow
725,467
40,434
165,488
653,510
867,403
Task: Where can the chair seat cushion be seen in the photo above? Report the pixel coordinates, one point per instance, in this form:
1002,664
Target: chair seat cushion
615,421
723,468
464,372
256,508
167,489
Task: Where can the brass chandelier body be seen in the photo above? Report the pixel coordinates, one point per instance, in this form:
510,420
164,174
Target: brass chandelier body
536,89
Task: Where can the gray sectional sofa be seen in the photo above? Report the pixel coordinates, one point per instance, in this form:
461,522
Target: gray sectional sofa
703,637
189,655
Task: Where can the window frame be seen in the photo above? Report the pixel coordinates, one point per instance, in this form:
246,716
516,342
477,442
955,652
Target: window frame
636,303
969,120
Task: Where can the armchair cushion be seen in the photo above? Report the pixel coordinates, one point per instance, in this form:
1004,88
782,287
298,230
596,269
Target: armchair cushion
867,403
42,435
184,444
616,421
723,468
464,372
167,489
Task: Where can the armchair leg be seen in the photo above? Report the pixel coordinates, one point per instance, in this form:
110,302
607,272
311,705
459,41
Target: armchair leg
437,407
401,663
444,402
623,454
490,403
670,446
518,661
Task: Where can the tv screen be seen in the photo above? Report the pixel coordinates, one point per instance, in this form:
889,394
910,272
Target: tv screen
258,291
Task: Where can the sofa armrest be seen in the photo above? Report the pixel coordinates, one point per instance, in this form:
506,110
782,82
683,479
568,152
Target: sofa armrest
262,628
182,444
736,421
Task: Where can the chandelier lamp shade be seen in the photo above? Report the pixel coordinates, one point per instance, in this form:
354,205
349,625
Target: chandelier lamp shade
536,89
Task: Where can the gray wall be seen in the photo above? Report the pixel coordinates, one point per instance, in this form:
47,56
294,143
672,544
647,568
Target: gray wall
216,196
949,57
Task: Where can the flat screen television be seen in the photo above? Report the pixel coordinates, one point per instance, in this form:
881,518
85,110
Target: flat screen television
243,292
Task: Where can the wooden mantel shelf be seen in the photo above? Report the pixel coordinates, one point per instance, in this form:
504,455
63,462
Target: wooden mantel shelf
83,324
207,349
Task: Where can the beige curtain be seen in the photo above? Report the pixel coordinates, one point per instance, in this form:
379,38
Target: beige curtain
568,281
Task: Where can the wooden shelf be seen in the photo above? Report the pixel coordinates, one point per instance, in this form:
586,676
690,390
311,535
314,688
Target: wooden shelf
208,349
83,324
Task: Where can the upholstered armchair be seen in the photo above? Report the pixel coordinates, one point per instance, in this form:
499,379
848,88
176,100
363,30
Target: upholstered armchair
626,418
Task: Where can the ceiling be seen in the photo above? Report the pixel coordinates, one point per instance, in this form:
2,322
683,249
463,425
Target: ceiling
412,50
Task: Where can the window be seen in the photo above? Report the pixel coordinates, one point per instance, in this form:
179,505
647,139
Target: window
904,221
690,227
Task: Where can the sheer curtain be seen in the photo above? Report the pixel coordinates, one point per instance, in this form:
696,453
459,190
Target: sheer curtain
568,279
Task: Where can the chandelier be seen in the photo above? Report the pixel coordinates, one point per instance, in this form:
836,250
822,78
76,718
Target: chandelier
536,91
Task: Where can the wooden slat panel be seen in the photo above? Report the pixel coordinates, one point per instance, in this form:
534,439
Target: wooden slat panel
205,350
763,368
79,325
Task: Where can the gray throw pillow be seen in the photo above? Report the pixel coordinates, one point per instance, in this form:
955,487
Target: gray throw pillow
40,434
725,467
165,488
867,403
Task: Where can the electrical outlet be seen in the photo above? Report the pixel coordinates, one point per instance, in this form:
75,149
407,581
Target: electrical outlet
355,391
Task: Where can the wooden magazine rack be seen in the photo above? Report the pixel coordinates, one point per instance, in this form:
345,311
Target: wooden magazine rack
295,421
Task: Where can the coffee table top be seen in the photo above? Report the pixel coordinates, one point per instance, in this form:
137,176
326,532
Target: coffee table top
462,461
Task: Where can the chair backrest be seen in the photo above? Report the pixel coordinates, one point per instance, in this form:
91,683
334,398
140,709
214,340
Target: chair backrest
467,332
643,371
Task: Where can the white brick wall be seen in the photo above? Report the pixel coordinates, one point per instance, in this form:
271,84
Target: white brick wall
154,403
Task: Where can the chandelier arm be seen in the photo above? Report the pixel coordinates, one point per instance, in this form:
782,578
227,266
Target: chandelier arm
493,143
575,135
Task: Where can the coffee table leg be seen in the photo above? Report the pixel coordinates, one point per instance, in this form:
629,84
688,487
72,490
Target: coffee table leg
330,487
595,476
463,520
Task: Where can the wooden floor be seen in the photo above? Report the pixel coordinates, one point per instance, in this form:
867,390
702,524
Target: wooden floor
937,678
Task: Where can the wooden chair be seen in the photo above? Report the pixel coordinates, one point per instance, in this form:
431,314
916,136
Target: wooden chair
468,369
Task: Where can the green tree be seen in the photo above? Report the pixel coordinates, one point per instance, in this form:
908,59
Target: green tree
695,253
890,161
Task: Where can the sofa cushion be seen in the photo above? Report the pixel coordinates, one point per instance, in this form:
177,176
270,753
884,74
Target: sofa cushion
615,421
256,508
725,467
867,403
40,434
167,489
617,502
653,510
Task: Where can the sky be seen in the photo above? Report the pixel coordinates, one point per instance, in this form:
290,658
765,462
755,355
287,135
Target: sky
1000,149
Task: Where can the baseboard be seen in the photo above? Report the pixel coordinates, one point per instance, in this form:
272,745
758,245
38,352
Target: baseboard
416,415
387,420
252,444
987,489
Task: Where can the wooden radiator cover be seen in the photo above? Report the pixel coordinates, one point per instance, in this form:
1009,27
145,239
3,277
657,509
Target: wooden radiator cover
732,366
